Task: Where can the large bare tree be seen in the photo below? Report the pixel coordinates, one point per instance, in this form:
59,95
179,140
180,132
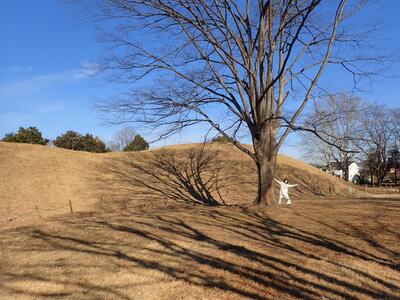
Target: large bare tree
234,65
316,151
379,137
338,121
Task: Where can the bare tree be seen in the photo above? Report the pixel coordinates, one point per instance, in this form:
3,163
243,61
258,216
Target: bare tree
121,139
379,135
337,119
395,117
394,152
316,151
235,65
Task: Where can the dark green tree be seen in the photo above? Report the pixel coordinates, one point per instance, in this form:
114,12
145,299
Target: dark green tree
69,140
220,139
93,144
138,144
30,135
75,141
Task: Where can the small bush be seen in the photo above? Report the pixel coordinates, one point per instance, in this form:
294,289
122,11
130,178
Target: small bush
138,144
220,139
75,141
30,135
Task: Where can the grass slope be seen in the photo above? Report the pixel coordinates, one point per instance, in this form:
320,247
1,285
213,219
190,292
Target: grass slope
128,240
38,181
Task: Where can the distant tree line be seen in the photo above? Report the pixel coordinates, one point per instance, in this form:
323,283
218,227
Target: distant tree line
220,139
73,140
355,131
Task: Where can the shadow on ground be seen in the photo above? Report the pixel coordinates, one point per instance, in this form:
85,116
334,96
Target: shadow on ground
194,176
195,252
197,175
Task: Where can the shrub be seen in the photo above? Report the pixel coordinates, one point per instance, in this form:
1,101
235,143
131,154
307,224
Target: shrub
220,139
68,140
75,141
138,144
30,135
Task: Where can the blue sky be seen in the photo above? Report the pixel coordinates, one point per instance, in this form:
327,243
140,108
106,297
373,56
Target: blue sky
44,48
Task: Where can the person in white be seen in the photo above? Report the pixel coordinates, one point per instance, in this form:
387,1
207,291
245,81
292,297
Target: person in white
284,191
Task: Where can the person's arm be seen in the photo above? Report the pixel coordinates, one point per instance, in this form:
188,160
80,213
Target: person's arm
280,182
292,185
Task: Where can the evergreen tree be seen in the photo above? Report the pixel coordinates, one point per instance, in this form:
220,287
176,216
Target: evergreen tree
220,139
138,144
30,135
75,141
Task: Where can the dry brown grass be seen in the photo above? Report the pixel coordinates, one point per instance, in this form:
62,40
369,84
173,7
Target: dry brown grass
137,244
318,249
38,181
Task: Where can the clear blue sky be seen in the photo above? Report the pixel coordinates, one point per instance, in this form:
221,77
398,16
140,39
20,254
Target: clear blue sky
43,48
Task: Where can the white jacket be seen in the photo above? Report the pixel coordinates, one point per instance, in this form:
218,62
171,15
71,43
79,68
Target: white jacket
285,187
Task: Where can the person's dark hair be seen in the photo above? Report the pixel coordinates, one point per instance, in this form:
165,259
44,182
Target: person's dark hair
286,180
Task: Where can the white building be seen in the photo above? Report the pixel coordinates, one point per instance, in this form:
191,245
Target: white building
354,171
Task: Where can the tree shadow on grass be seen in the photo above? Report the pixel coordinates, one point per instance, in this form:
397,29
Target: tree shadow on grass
232,250
193,177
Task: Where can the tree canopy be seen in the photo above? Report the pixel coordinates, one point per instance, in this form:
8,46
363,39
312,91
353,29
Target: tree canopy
30,135
237,66
75,141
137,144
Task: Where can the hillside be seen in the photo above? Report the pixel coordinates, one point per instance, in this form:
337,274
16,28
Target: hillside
39,181
126,240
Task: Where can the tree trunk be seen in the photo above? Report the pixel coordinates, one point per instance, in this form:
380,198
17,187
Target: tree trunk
378,178
266,154
266,173
346,167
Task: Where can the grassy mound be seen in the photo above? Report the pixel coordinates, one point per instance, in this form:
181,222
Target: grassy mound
39,181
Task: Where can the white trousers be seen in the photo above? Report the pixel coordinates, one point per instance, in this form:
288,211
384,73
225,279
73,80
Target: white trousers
286,196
